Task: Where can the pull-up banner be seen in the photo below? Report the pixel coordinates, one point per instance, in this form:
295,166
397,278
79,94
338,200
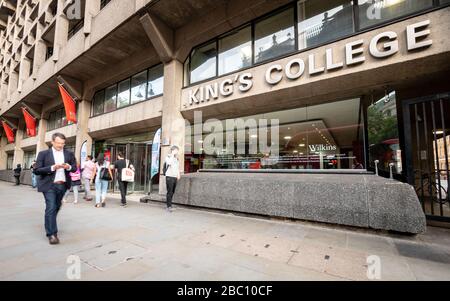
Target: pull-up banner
9,132
30,122
69,104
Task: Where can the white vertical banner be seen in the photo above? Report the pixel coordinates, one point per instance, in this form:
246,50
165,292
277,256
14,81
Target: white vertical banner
83,154
156,147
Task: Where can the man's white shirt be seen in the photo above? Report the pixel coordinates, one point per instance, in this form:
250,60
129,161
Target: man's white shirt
60,175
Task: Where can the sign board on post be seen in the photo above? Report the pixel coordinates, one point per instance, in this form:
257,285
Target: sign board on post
83,154
156,147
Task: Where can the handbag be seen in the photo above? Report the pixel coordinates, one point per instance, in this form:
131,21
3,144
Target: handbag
127,173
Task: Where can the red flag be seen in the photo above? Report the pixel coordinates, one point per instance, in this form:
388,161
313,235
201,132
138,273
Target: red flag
69,104
30,121
9,132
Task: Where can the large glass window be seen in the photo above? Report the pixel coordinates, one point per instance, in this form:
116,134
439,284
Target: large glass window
275,36
375,12
323,21
110,99
99,102
235,51
325,136
139,87
203,63
28,158
123,97
155,81
382,128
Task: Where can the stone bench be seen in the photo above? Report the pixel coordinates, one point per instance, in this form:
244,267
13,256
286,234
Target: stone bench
361,200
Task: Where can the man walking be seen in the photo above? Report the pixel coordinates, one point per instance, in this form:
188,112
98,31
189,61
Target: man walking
17,174
33,176
119,165
87,175
172,173
54,166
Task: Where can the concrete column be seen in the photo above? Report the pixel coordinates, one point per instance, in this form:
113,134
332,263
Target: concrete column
18,152
41,145
173,124
84,109
3,155
61,30
13,82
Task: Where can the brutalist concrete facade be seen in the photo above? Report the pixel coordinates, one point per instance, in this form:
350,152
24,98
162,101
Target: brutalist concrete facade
41,42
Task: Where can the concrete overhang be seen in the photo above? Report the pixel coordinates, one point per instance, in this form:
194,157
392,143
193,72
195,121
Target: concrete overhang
127,121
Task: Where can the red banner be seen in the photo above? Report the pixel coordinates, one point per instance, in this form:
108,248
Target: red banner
9,132
30,121
69,104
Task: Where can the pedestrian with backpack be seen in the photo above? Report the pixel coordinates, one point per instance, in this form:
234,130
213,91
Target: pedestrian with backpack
171,170
102,175
124,174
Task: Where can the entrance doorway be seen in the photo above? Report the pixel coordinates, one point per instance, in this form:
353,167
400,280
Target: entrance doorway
427,139
137,149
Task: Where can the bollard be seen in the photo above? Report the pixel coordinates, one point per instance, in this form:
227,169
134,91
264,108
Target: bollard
391,166
376,166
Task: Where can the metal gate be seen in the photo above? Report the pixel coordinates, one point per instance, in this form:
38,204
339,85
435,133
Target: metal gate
427,143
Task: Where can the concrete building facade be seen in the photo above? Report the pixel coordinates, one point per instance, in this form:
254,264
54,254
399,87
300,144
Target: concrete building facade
356,86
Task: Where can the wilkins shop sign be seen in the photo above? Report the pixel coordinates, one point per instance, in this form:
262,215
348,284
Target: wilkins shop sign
381,46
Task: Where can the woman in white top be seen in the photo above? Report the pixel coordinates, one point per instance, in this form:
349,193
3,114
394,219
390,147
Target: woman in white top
101,184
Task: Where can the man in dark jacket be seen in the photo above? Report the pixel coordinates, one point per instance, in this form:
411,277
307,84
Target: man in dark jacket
53,166
17,173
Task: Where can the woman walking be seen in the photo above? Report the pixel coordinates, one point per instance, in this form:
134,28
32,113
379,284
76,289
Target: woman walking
102,175
76,184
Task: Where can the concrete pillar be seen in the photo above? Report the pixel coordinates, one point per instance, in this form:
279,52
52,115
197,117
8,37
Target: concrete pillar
18,152
61,30
84,109
41,145
173,124
13,82
3,155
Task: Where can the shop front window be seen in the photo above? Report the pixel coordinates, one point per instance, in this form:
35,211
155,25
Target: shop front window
323,21
324,137
235,51
383,134
203,63
375,12
275,36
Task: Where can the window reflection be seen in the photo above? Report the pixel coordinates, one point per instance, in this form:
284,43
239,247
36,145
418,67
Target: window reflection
384,143
372,13
203,63
155,81
235,51
110,98
138,87
123,97
320,22
275,36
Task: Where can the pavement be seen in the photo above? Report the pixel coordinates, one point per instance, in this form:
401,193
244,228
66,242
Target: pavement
145,242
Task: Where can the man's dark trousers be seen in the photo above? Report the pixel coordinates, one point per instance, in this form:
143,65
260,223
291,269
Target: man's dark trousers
171,185
53,202
123,191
